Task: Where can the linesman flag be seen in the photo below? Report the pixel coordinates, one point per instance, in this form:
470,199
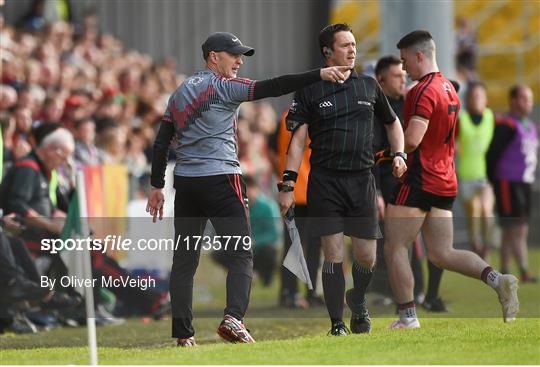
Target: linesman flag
295,260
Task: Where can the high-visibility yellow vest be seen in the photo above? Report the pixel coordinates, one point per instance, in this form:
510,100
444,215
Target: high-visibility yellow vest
53,185
474,140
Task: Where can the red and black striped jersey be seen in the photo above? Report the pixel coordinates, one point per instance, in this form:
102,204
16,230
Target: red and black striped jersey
431,165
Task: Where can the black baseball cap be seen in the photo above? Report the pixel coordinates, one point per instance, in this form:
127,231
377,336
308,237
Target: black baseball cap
225,41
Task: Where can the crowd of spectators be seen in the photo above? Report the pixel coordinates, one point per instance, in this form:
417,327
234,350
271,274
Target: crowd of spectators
110,98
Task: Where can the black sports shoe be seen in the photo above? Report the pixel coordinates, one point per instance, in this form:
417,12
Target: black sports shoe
45,321
339,329
360,321
436,305
21,325
24,290
60,300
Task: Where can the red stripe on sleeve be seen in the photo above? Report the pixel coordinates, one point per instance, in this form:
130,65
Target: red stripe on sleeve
251,93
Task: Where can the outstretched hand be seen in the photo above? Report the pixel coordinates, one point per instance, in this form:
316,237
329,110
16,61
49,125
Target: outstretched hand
335,73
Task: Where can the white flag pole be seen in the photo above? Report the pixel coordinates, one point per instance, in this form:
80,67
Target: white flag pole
87,271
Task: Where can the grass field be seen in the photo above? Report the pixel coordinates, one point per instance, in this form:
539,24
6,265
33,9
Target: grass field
473,333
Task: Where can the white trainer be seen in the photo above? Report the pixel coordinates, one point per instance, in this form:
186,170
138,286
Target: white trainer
507,291
408,324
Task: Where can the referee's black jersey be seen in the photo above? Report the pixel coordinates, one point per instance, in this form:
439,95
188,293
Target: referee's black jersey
380,140
341,120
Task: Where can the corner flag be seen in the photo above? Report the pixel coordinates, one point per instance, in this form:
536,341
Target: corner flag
78,262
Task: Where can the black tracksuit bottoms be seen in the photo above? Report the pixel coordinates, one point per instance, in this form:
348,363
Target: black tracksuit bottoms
223,200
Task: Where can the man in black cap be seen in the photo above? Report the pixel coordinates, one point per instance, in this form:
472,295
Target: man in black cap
202,115
225,41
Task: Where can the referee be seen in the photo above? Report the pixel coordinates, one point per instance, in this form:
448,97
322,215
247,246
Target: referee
341,198
201,115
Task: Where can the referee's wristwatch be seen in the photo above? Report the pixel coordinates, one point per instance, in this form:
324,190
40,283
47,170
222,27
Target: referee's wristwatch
282,187
402,155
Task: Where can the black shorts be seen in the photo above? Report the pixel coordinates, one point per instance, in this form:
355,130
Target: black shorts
513,201
405,195
339,202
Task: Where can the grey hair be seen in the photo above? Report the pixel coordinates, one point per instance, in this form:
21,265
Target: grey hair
59,137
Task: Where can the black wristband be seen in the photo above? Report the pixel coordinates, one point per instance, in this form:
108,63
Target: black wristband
402,155
290,176
284,187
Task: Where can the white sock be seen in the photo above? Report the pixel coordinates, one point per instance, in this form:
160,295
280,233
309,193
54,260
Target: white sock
493,279
407,315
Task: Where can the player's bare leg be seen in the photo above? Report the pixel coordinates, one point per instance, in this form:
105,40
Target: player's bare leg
514,243
487,203
402,224
473,208
438,236
507,239
438,232
521,231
